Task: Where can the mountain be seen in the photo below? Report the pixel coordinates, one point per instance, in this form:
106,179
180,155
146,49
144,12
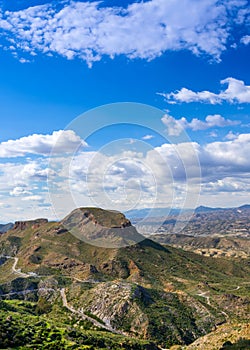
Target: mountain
100,227
203,209
5,227
161,212
151,212
245,207
139,293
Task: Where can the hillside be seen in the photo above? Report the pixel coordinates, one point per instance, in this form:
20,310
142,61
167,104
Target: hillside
145,290
225,337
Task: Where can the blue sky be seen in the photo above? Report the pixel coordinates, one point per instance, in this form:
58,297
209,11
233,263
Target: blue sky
60,60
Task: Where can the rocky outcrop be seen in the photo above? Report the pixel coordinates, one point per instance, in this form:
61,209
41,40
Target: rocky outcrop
23,225
115,304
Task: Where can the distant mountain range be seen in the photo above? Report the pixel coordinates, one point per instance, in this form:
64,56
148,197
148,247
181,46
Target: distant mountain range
209,209
5,227
161,212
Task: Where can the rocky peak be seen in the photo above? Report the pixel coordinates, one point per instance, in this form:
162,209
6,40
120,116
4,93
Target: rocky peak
106,218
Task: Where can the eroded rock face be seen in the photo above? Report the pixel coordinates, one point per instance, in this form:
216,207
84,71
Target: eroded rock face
23,225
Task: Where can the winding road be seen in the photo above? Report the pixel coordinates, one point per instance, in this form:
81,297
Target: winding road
86,317
18,271
63,295
204,295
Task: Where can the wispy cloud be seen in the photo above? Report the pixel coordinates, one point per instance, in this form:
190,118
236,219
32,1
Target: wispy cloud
231,135
147,137
62,141
236,92
145,30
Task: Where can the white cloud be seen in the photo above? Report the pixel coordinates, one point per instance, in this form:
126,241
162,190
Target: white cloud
217,160
176,126
62,141
236,92
24,181
227,184
160,177
24,60
26,177
230,156
142,30
147,137
19,191
245,39
211,121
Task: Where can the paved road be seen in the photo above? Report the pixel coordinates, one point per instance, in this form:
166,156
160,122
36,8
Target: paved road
27,291
204,295
15,270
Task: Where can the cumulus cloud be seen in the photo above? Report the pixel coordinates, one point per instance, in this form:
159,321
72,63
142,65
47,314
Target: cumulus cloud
211,121
176,126
62,141
24,181
173,169
217,159
230,156
160,177
145,30
228,184
236,92
21,179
